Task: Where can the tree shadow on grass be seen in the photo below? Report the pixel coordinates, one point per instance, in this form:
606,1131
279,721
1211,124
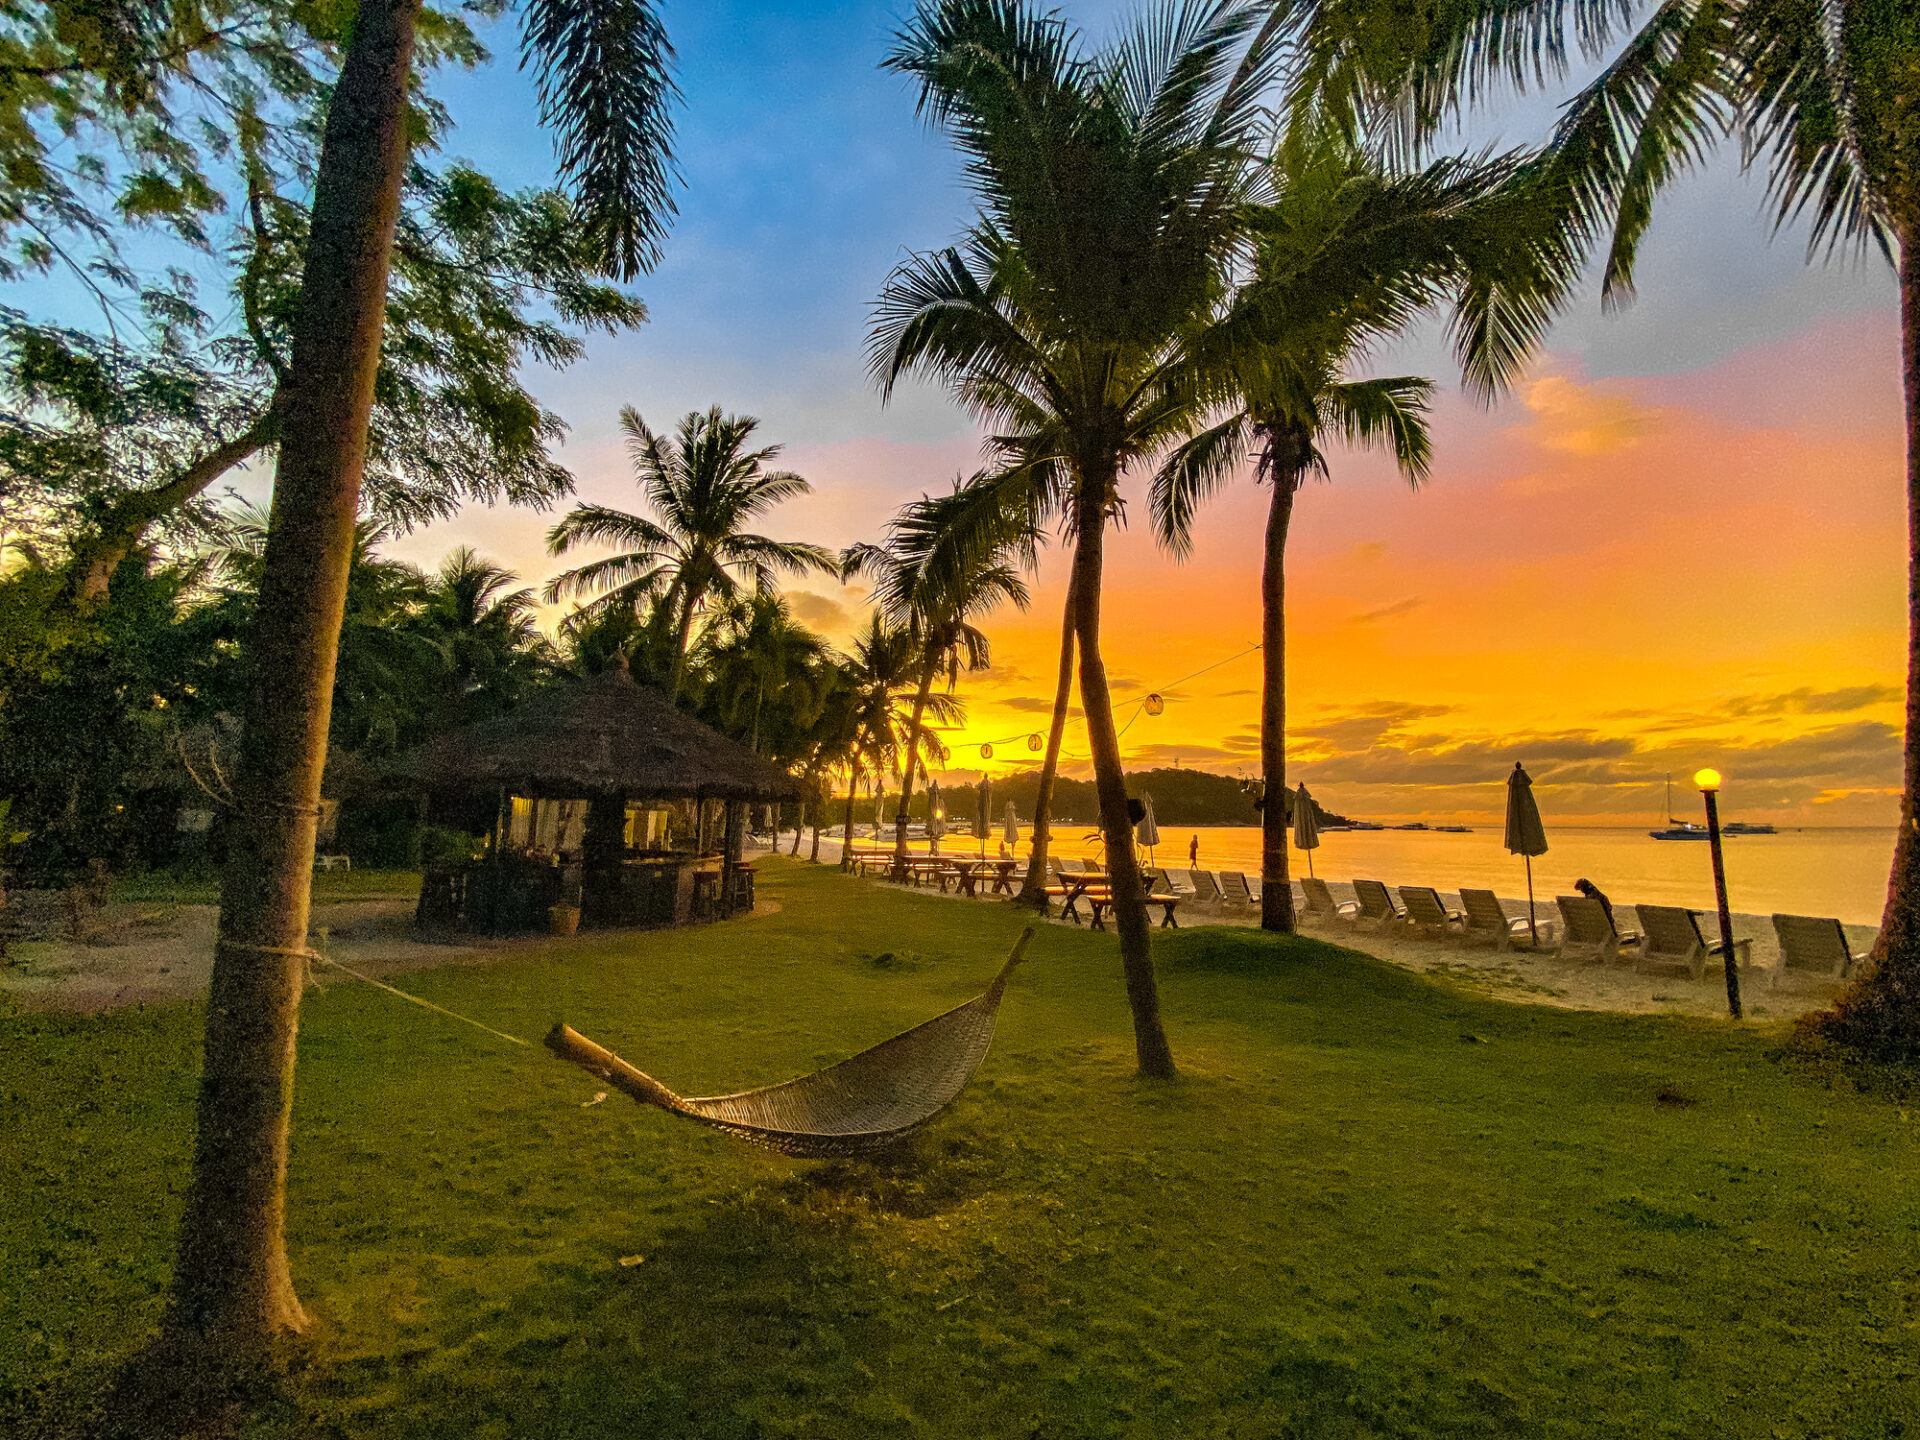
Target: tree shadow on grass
785,1308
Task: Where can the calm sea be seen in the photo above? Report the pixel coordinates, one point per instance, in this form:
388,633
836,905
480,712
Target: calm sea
1800,872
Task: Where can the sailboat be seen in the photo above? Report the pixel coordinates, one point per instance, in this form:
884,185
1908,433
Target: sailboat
1677,829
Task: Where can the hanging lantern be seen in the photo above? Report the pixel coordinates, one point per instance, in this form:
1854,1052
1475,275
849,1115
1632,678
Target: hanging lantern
986,752
1034,742
1155,704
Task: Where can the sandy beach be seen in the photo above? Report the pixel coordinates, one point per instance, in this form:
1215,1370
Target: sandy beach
152,954
1546,979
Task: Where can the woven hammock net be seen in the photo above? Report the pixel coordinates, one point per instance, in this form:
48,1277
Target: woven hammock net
863,1102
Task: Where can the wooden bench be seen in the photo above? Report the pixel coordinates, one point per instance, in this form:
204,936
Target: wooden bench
1101,901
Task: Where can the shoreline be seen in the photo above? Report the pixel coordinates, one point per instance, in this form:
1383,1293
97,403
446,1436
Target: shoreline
1527,978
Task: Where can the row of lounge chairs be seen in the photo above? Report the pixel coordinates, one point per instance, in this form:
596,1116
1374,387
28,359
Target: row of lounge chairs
1669,937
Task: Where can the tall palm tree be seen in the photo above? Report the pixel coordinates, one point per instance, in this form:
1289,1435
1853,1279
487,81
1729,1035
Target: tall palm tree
705,485
1820,96
934,577
601,68
1347,257
1112,189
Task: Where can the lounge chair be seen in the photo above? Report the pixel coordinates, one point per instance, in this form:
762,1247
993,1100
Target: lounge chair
1376,905
1426,914
1233,885
1674,942
1589,931
1206,890
1321,906
1487,922
1817,946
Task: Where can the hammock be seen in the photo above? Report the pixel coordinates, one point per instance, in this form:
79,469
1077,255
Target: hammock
861,1103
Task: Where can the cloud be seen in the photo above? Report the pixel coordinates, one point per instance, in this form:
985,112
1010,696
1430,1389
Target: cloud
1387,612
1368,551
1584,418
817,610
1808,701
1034,705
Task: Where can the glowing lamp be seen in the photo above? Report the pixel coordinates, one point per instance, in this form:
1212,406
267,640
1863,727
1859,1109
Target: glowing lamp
1708,779
1155,704
1034,742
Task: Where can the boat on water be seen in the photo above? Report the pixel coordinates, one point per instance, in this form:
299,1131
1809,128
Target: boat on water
1453,829
1686,829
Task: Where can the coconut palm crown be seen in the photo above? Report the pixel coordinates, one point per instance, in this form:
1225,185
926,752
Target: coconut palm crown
705,486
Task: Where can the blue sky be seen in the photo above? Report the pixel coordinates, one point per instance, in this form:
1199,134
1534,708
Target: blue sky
807,177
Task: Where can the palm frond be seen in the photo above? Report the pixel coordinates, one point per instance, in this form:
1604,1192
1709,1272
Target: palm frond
1391,413
1192,473
603,71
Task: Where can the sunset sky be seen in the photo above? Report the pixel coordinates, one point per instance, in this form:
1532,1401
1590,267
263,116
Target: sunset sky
1679,542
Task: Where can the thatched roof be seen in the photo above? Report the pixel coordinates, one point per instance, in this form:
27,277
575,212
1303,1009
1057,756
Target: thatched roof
605,735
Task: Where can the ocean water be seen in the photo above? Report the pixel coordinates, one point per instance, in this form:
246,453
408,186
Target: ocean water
1839,872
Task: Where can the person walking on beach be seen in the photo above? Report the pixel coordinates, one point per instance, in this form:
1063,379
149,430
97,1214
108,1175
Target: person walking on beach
1593,892
1193,852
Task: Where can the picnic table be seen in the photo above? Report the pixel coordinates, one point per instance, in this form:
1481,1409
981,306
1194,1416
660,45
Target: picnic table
1096,888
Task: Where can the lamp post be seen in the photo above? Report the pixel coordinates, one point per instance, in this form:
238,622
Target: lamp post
1709,783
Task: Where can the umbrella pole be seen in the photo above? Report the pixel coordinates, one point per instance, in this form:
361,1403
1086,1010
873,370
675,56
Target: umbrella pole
1532,927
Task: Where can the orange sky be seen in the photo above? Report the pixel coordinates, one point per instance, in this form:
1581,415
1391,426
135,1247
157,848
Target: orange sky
1606,579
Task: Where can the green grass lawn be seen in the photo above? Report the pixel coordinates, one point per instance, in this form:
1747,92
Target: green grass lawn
159,887
1372,1206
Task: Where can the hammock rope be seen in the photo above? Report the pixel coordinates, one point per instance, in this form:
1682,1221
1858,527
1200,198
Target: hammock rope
863,1102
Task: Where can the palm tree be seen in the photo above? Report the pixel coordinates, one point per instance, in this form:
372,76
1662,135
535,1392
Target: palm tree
933,576
1818,95
601,67
753,652
704,485
1347,257
883,674
1112,188
491,648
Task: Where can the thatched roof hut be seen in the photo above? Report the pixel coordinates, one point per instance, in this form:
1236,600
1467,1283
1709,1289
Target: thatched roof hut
603,736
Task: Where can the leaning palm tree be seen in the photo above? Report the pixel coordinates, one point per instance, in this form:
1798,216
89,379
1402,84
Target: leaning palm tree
1818,95
938,570
1348,256
705,485
601,71
1113,189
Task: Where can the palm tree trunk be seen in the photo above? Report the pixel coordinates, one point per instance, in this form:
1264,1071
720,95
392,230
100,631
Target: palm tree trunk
813,852
1879,1014
1033,890
846,835
1286,461
906,782
799,824
232,1293
682,638
1129,894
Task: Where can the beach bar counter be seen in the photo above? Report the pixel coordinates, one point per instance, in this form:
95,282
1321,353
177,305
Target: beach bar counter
587,782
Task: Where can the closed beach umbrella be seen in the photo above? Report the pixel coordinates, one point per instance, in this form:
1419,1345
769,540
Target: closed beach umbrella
983,810
1010,826
1525,834
1306,825
1147,832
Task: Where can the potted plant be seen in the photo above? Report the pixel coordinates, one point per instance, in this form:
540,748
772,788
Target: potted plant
563,919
